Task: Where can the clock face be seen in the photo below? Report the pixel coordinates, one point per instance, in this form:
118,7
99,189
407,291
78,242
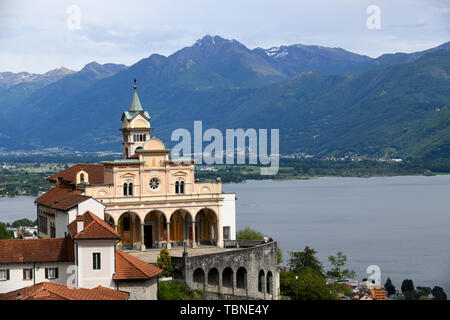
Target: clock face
154,184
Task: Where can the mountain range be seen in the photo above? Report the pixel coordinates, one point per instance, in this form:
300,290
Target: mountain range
325,101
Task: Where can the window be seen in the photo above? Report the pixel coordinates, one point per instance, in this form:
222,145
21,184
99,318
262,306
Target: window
51,273
42,224
226,233
52,230
154,184
182,187
125,189
27,274
96,261
130,189
145,137
177,187
4,274
82,178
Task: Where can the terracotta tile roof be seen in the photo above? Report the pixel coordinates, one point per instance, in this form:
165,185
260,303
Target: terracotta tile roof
94,228
129,267
95,172
61,197
56,291
36,250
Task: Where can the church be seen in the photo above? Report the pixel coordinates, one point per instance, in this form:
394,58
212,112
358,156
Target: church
149,199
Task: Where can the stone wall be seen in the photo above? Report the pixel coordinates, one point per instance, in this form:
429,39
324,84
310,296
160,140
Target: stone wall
139,289
241,273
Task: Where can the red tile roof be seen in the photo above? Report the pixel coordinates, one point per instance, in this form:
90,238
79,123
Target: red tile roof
95,172
61,197
56,291
129,267
36,250
94,228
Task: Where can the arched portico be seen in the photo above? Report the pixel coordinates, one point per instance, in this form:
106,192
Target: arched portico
129,230
206,232
154,229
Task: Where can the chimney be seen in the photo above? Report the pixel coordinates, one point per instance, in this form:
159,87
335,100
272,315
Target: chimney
80,223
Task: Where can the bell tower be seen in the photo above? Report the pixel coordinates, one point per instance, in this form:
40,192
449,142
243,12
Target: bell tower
135,126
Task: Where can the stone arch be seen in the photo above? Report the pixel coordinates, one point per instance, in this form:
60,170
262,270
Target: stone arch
205,189
269,283
261,281
241,279
199,279
213,280
177,274
128,227
227,277
181,226
206,220
154,228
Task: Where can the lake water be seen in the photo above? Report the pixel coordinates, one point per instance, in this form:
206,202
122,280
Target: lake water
401,224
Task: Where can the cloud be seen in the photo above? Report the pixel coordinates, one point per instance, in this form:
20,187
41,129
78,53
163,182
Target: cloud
37,39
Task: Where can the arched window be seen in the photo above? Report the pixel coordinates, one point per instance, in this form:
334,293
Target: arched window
125,189
130,189
177,187
82,178
182,187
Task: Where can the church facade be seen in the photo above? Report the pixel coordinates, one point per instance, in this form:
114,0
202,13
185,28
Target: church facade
150,200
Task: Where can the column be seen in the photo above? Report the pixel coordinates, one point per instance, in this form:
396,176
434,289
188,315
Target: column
142,237
159,229
194,243
184,229
133,226
219,229
169,246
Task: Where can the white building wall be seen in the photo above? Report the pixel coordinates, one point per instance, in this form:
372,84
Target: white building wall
61,222
65,270
88,277
229,213
93,206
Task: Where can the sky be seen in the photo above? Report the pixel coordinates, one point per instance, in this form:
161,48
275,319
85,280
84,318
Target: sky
37,36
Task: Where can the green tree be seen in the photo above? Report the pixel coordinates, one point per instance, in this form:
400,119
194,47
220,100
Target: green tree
438,293
174,290
5,234
338,262
23,223
249,234
164,262
407,286
305,259
309,285
390,288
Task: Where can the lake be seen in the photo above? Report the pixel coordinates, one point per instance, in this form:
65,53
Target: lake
401,224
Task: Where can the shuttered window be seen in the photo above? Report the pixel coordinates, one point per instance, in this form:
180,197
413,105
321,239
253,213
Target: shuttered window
27,274
4,274
51,273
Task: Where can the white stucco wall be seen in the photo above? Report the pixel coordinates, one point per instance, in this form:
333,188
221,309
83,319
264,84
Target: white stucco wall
87,276
91,205
16,274
229,213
